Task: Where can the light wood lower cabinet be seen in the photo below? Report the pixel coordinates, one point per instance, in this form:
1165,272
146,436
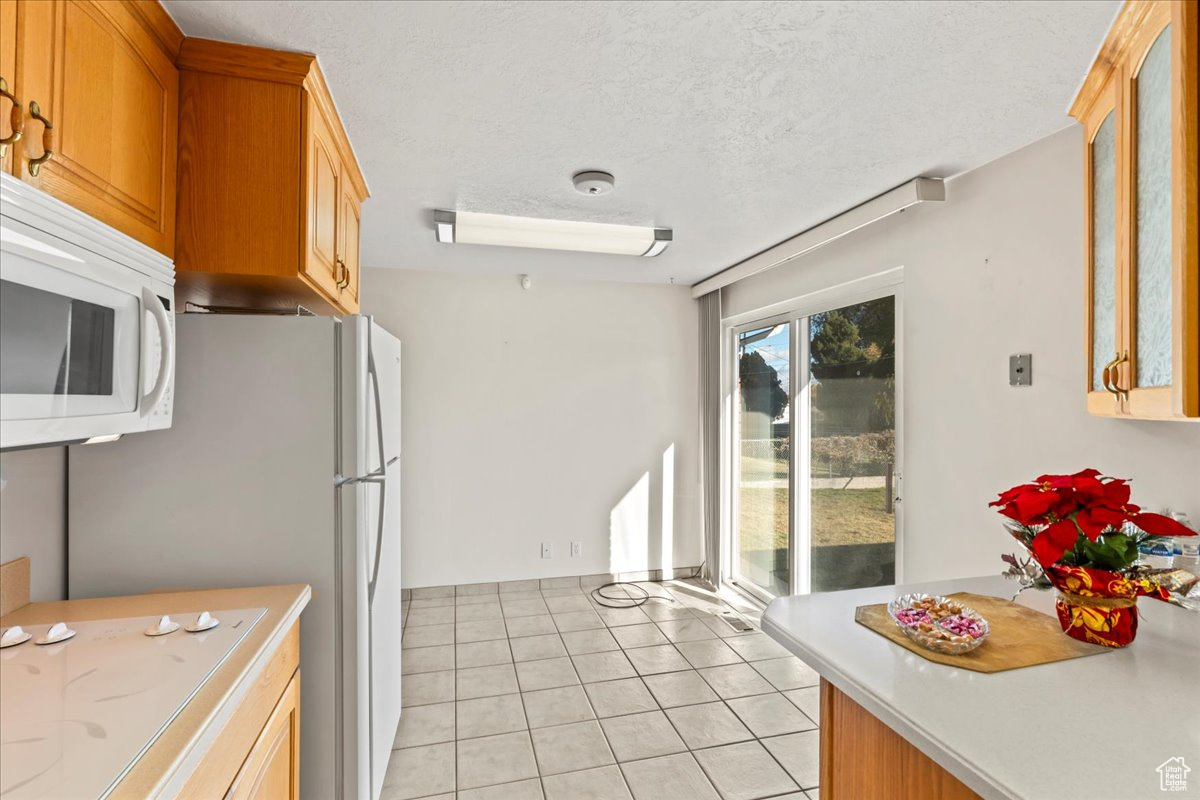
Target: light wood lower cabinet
863,758
272,770
257,753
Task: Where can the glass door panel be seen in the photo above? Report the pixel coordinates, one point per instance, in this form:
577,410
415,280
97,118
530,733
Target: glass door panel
850,423
1153,272
1104,249
762,452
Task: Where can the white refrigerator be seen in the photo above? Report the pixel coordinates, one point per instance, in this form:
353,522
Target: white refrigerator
282,466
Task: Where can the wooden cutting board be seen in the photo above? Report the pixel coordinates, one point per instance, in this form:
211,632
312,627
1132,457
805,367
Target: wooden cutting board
1020,636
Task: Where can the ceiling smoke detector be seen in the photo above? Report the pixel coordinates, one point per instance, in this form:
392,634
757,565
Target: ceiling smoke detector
593,182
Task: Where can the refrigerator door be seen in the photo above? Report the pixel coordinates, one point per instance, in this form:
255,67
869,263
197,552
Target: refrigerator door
372,557
383,551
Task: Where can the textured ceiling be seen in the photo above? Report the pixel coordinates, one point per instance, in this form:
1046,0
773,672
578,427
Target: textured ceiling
738,124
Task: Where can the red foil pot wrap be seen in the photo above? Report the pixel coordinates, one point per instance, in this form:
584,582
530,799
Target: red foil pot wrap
1097,606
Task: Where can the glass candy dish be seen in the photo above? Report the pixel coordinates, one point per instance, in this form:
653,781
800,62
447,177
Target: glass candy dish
938,637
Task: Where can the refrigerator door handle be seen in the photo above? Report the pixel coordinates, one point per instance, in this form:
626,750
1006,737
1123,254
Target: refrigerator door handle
374,375
378,543
379,475
374,476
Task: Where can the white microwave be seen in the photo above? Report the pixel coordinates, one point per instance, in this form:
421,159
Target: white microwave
87,335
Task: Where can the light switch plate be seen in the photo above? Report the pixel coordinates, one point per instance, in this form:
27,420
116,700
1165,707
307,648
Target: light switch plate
1020,369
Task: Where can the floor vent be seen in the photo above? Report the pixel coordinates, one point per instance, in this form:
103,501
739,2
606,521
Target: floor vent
737,623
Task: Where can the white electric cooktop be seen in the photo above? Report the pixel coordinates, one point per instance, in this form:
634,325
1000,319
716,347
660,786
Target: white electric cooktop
76,715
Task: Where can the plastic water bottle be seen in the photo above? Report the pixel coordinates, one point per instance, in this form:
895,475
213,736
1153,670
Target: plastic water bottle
1187,548
1157,553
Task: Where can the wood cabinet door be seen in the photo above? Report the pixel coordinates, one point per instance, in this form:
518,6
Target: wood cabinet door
348,236
10,114
322,198
108,95
1160,376
1143,174
1105,239
272,768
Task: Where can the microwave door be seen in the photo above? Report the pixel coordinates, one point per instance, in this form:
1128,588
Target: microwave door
66,356
54,346
72,343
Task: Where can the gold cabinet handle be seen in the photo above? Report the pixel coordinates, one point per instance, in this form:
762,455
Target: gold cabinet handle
1123,394
1106,377
344,272
16,119
35,164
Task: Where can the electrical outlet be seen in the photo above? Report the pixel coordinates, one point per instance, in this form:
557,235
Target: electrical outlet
576,549
546,550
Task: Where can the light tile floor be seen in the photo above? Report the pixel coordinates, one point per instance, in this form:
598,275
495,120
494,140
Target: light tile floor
531,690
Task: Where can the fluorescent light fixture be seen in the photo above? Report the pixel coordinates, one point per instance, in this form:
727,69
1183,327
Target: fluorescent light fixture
470,227
108,437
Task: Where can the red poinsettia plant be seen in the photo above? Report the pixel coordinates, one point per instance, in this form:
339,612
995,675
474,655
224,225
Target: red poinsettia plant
1080,520
1085,534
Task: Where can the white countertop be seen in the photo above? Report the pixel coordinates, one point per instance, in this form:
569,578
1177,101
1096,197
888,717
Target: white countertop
75,716
165,766
1092,728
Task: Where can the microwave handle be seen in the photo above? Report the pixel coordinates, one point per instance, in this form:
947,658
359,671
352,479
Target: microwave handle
166,335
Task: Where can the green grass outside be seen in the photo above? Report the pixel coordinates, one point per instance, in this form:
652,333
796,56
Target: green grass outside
839,517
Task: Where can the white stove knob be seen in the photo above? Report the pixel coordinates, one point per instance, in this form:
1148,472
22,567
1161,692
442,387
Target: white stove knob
165,625
59,632
14,636
204,622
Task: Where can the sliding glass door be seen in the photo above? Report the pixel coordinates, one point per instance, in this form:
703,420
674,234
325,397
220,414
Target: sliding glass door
763,433
815,467
851,447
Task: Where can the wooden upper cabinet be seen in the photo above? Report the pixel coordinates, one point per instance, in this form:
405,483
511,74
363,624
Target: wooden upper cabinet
322,198
265,170
1138,107
99,92
12,117
348,239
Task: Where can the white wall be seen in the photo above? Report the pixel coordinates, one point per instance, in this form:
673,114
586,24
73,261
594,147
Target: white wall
995,270
563,413
32,521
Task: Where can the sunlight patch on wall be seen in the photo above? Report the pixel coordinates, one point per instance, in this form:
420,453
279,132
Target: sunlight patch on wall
668,508
629,528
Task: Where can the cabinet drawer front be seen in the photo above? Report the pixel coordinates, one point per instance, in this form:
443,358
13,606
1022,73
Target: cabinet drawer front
112,96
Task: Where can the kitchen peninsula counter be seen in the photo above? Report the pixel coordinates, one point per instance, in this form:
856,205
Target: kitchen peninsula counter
205,746
1089,728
